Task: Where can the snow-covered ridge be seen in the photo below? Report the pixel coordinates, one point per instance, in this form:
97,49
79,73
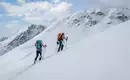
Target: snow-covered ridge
22,37
92,17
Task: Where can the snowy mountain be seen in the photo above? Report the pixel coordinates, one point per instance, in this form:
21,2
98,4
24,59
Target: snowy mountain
92,17
97,49
104,56
23,37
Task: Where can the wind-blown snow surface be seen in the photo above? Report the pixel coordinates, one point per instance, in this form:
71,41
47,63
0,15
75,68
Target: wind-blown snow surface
104,56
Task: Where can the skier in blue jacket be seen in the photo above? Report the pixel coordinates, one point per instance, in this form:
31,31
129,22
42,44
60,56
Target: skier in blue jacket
39,46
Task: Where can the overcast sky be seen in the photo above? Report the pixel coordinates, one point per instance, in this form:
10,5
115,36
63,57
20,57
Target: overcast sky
19,13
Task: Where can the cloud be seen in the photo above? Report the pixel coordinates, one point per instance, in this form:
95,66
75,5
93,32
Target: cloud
13,21
21,1
62,7
32,13
10,28
15,10
109,3
56,1
12,25
37,12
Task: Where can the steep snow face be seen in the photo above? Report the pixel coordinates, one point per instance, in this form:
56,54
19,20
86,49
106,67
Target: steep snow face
22,37
104,56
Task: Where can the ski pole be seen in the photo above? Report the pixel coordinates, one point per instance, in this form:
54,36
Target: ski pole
44,52
66,41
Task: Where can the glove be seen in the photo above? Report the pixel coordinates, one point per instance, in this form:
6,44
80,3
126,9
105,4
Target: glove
57,42
45,45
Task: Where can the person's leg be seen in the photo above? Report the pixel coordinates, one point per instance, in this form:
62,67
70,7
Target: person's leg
60,44
36,55
40,52
58,48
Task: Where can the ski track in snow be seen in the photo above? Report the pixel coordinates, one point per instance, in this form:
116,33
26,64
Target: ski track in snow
26,56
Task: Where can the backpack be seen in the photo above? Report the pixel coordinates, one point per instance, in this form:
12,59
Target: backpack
59,36
38,44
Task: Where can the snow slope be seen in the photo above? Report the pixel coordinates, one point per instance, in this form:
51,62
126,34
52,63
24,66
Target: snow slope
104,56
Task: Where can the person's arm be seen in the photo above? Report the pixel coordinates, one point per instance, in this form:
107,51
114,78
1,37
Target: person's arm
44,45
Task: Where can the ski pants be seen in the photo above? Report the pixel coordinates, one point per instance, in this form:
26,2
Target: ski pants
61,45
37,55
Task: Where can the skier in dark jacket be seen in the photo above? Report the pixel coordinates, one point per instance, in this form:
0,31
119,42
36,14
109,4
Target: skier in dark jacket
39,46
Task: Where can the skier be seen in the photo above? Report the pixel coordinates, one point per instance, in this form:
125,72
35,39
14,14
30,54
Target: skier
60,41
39,46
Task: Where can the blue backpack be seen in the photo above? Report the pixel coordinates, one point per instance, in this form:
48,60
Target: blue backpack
38,44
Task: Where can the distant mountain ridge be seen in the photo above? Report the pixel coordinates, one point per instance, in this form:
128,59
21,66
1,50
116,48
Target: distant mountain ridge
23,37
